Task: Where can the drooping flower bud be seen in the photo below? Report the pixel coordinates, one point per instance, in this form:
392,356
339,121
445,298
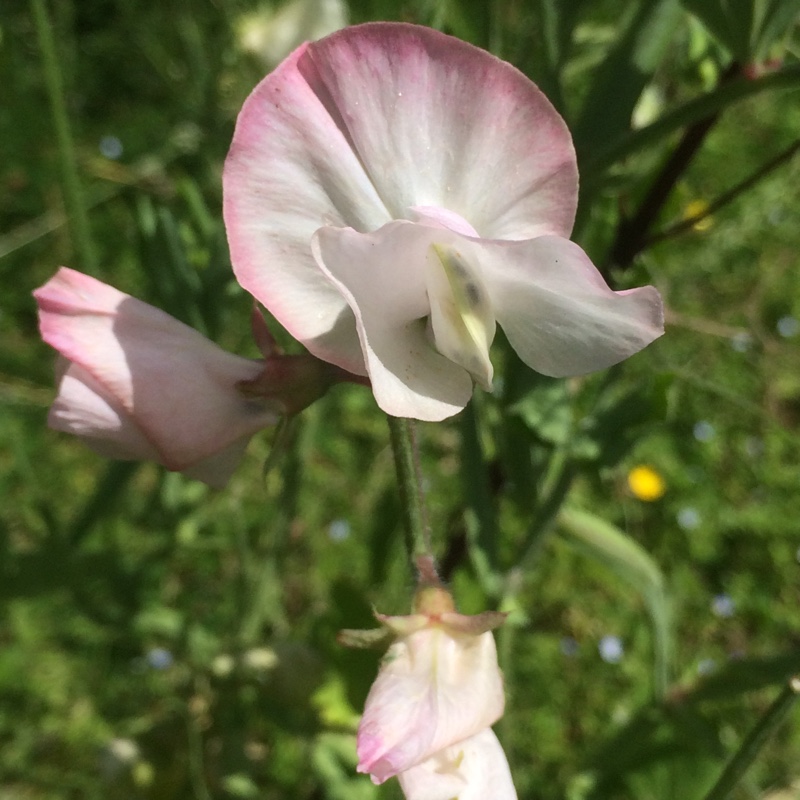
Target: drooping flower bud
428,715
136,383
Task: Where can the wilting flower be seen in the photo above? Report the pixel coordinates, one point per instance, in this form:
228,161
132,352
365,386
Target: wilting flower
428,715
392,194
136,383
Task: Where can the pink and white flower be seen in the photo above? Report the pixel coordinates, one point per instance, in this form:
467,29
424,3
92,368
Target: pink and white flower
136,383
392,194
473,769
429,713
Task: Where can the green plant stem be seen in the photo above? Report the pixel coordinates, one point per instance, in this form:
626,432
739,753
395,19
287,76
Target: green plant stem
687,114
725,198
561,474
632,233
80,232
477,484
262,601
194,738
412,495
755,741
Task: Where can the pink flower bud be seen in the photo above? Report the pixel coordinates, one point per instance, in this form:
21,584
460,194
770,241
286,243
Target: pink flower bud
136,383
438,692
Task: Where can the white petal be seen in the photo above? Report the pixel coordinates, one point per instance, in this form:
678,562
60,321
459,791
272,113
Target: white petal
434,689
84,408
157,377
438,122
290,170
557,311
475,769
462,322
363,126
382,278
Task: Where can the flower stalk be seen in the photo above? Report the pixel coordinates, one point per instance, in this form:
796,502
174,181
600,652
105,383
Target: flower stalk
412,494
755,741
80,233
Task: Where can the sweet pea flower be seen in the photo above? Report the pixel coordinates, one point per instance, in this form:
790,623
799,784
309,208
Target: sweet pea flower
392,194
136,383
428,715
470,770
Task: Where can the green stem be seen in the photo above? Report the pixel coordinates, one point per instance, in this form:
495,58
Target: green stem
194,738
725,198
755,740
263,602
561,474
477,485
412,495
594,167
71,186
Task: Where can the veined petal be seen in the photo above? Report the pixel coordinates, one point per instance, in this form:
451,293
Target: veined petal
361,127
475,769
154,374
434,689
382,278
438,122
557,311
290,170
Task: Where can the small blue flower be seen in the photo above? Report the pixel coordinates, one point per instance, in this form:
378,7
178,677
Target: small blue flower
339,530
723,605
741,342
611,649
788,327
110,147
160,658
707,666
704,431
689,518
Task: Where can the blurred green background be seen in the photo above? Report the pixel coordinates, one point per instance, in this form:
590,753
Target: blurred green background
161,640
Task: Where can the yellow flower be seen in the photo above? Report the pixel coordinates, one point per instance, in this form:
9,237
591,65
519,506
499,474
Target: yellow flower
694,209
646,484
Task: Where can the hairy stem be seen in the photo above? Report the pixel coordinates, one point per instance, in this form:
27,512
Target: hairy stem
412,494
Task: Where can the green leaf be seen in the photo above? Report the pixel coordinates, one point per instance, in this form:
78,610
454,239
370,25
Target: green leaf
628,560
729,22
547,410
240,785
660,745
622,416
621,78
594,165
333,761
748,675
776,21
552,30
746,28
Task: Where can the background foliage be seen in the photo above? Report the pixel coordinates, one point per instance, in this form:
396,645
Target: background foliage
160,640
